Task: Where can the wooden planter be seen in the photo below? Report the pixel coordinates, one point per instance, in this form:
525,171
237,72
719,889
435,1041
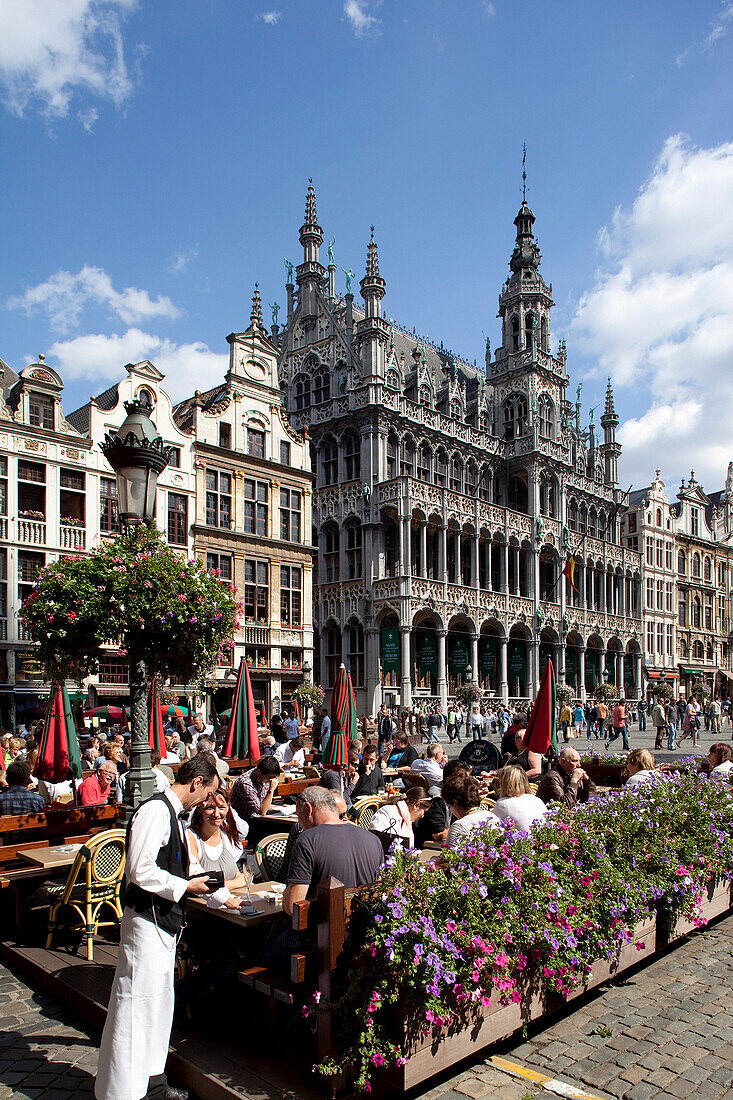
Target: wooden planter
429,1054
604,775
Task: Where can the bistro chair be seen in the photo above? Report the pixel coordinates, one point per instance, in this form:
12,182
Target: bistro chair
270,856
94,881
364,810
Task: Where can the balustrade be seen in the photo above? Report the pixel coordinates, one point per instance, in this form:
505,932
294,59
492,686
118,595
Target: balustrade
31,532
73,538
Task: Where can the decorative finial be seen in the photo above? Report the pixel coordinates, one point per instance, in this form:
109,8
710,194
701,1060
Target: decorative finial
41,357
311,216
256,315
524,171
372,264
658,471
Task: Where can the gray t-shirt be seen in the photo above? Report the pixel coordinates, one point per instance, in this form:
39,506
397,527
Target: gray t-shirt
346,852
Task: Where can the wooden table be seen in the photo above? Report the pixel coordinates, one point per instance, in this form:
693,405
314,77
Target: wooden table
295,786
52,859
268,909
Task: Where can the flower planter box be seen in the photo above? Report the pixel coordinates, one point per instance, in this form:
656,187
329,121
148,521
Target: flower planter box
605,775
426,1055
672,927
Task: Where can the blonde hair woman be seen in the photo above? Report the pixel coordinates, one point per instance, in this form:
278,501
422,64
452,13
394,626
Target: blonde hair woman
516,802
640,766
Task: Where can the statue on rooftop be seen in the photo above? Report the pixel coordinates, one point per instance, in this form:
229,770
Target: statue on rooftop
289,266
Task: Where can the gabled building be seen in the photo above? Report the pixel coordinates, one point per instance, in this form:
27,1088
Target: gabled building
449,496
252,519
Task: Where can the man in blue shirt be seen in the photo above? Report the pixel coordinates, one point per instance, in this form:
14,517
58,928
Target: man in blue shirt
18,799
292,727
325,730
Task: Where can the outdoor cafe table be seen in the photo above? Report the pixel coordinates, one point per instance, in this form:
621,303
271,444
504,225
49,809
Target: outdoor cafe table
268,909
52,859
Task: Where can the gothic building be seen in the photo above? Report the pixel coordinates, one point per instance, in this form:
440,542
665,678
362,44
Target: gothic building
448,497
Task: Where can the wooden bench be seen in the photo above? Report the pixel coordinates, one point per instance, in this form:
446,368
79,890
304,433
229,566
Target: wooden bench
327,919
63,826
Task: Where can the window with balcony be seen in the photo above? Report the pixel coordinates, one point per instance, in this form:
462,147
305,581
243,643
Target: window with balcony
284,453
423,463
30,564
290,503
31,490
72,497
218,499
391,457
330,544
441,468
256,591
291,603
353,551
221,564
255,443
330,461
291,658
109,522
255,507
113,670
407,464
178,519
456,475
352,456
40,411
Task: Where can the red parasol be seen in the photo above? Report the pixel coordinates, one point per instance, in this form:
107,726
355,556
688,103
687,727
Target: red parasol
155,721
541,729
242,739
58,755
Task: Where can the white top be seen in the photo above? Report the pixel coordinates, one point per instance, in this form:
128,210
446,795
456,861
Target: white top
432,771
523,810
388,819
723,771
285,755
638,778
464,826
213,851
151,829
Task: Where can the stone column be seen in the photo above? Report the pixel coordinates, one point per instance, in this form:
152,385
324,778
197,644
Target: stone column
503,680
474,657
405,547
442,684
371,662
457,557
424,549
443,553
637,675
619,672
505,567
534,665
405,664
581,672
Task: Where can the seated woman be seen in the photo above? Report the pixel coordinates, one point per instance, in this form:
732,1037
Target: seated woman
720,761
215,838
640,766
462,795
401,755
529,762
516,802
509,740
397,820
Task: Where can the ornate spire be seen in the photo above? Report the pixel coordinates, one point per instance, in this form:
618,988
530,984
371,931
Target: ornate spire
311,216
610,410
311,234
372,264
256,315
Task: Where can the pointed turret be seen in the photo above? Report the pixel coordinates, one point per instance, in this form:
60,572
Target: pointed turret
372,285
610,448
255,319
311,234
311,272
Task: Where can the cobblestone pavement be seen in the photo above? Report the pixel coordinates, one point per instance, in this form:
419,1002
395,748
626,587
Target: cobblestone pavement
666,1031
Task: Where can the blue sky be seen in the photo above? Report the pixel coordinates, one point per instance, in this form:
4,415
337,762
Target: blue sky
157,155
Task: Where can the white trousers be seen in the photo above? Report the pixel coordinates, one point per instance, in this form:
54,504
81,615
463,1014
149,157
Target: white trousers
135,1039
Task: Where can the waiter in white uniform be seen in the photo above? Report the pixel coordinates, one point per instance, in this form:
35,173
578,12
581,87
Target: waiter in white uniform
134,1046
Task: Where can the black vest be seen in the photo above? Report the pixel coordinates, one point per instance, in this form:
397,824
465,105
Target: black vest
172,857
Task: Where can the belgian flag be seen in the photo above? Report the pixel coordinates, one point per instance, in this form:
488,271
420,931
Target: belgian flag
569,571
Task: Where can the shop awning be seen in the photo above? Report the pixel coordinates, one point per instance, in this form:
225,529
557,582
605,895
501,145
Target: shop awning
654,675
692,671
725,674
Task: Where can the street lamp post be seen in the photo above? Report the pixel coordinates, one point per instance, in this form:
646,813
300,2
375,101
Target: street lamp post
138,456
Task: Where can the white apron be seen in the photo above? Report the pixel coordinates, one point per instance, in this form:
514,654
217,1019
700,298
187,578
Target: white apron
136,1035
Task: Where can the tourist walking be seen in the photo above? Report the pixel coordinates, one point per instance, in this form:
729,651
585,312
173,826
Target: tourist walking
659,721
641,709
620,727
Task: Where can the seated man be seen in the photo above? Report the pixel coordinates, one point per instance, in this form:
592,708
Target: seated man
291,754
254,790
17,799
566,781
97,788
328,847
438,818
432,767
401,754
370,778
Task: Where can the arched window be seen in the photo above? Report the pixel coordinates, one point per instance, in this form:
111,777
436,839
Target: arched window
602,533
330,545
583,519
471,477
659,517
529,331
393,379
424,462
573,515
545,335
592,523
407,466
456,412
352,456
515,332
425,396
515,415
330,461
485,484
353,550
302,391
456,475
332,649
355,653
682,646
696,612
698,651
441,468
707,569
321,388
696,565
546,416
391,456
681,563
709,653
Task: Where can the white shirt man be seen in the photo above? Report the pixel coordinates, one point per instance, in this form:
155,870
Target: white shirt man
432,767
134,1046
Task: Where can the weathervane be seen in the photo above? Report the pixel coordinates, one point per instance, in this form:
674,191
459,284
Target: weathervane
524,171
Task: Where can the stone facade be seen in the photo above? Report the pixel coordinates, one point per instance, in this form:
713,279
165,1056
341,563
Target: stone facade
253,514
449,496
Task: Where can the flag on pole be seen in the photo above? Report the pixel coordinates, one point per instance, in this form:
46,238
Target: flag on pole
156,738
242,739
541,732
58,755
569,571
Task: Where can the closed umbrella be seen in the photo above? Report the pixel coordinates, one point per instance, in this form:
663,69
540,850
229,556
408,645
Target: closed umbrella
352,728
336,751
58,756
541,732
296,710
155,721
242,739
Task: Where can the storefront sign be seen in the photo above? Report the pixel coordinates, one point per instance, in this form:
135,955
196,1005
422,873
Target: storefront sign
458,654
27,665
517,660
390,649
427,653
487,657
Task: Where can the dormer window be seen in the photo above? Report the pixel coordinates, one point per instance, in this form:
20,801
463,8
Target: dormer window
40,411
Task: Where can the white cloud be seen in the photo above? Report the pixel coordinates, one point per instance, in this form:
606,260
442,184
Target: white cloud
363,23
488,9
182,259
65,295
659,318
52,49
272,18
719,27
101,358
